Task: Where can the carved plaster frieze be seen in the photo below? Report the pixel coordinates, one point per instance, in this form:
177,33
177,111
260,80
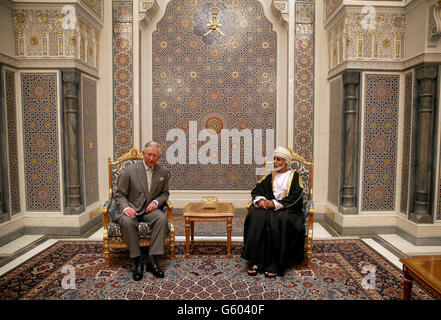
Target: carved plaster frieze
330,6
147,10
281,9
386,65
362,35
56,32
434,31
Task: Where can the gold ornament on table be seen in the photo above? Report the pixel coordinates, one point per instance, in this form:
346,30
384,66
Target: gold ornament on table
209,203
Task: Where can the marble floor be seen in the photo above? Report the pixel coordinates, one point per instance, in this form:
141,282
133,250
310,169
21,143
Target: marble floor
391,246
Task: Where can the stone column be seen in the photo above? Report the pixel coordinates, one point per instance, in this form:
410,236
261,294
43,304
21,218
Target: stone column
426,78
351,80
71,82
2,143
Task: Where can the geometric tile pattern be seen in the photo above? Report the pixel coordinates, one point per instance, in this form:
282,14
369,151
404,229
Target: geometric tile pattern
123,131
304,79
41,145
14,179
407,132
90,140
335,128
222,79
380,138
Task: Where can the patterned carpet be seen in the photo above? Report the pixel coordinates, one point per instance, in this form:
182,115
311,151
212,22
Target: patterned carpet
338,272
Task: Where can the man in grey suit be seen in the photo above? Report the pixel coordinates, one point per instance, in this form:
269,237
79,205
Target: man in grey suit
142,191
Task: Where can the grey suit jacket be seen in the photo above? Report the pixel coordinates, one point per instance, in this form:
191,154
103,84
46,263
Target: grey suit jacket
132,190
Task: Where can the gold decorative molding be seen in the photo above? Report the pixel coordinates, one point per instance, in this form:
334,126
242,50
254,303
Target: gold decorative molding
132,154
330,213
94,213
33,41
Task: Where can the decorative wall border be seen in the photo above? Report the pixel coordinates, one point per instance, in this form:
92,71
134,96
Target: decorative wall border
12,143
304,78
409,94
123,115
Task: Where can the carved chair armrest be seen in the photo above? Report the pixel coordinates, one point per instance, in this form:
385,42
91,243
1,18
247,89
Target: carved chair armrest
249,206
106,208
310,208
170,211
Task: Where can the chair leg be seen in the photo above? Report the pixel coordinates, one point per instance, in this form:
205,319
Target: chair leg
172,250
106,254
308,252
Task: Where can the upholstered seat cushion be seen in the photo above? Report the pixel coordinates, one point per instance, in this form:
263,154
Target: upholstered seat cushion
306,205
114,230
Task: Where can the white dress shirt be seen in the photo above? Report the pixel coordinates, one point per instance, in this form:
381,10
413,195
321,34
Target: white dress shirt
279,189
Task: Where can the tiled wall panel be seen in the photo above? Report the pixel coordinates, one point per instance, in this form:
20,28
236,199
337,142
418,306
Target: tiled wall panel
222,79
41,145
335,132
123,132
90,141
304,79
380,140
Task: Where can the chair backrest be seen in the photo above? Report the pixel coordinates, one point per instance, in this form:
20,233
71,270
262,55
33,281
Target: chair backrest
306,171
118,166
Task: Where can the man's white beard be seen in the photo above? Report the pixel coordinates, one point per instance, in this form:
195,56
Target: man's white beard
278,168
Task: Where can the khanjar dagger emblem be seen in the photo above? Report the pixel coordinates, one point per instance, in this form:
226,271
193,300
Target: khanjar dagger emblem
214,23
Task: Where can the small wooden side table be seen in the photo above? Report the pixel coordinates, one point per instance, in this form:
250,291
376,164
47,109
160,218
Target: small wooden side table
426,270
194,212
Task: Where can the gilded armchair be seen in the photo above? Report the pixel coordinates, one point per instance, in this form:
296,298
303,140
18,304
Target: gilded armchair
112,238
306,171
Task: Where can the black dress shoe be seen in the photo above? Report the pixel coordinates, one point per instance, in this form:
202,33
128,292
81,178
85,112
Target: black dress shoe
139,269
154,269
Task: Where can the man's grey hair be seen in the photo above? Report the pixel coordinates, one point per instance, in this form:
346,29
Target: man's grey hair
153,144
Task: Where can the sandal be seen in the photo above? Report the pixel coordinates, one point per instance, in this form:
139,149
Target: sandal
270,275
253,269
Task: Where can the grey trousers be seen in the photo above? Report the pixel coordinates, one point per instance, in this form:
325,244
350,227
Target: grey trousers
158,222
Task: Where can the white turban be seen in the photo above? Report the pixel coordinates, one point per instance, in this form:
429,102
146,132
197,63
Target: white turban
283,153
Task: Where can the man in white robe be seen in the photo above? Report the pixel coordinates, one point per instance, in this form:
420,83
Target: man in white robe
274,230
